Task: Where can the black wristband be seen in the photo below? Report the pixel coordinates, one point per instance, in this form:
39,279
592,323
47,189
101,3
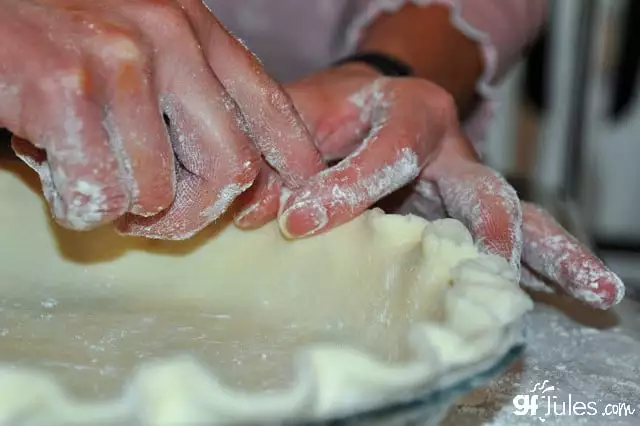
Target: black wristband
387,65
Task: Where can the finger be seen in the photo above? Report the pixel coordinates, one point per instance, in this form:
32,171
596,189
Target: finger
531,280
133,118
484,201
49,98
398,145
23,60
428,202
206,185
216,160
260,202
275,125
552,252
81,176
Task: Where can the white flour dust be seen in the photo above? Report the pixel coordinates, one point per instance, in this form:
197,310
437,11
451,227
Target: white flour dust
372,103
224,200
11,102
364,187
561,258
382,182
600,366
88,206
465,192
267,116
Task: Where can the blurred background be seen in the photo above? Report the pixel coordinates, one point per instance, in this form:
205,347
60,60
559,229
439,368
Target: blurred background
572,108
567,127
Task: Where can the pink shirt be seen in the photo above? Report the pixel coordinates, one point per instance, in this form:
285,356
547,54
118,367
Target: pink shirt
296,37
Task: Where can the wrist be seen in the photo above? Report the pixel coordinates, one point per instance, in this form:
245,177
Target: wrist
360,68
386,65
427,40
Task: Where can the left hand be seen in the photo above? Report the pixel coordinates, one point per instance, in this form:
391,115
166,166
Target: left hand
412,136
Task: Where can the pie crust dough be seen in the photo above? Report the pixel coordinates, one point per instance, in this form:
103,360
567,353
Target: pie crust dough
235,326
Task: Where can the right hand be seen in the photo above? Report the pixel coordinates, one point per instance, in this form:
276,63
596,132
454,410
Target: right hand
84,85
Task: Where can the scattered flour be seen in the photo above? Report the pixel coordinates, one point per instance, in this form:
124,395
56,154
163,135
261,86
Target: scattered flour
602,366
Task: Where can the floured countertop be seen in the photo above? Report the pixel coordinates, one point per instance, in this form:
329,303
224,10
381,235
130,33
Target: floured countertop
589,357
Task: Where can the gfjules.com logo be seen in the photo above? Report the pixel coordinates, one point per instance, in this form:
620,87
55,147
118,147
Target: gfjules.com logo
540,402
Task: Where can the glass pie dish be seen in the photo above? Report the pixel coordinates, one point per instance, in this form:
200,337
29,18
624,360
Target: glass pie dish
430,407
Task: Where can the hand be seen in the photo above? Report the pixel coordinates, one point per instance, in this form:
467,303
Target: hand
547,255
344,105
406,124
402,122
87,83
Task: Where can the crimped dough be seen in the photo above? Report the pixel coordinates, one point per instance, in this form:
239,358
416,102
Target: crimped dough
237,325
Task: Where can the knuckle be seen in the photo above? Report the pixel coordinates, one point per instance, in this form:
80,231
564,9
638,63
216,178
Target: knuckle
437,97
445,101
120,46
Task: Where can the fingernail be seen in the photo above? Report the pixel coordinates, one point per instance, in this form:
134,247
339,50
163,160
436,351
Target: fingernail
303,219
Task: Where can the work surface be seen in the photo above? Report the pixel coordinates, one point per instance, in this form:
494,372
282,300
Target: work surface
589,357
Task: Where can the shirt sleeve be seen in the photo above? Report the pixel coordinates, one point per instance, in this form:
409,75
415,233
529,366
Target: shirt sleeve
502,28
